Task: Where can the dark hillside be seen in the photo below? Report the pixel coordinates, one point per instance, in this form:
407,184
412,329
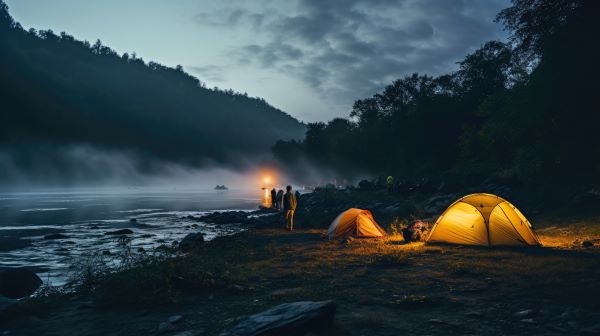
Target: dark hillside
57,90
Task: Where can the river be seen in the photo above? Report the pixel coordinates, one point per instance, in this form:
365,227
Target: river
84,216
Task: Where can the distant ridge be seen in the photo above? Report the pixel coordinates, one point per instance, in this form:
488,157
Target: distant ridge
56,90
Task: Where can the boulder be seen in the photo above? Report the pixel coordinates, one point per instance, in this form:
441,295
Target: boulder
191,240
226,217
16,283
119,232
296,318
55,236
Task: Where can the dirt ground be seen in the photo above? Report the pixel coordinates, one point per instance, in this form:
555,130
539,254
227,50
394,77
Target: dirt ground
381,287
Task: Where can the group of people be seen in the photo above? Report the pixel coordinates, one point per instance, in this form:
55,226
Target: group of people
287,203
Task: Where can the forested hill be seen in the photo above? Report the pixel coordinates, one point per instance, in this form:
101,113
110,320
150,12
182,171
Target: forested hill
56,90
525,111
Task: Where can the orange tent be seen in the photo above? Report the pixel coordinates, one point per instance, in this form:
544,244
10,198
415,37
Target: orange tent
356,223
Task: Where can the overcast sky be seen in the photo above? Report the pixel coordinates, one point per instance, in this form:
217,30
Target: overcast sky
310,58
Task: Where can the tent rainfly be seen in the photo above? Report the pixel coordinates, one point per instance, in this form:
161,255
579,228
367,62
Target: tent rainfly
484,220
356,223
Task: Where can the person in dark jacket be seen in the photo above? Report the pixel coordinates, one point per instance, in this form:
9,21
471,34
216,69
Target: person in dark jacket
297,194
274,198
289,207
280,200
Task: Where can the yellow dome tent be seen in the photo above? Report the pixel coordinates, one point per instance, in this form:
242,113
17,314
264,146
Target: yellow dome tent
485,220
356,223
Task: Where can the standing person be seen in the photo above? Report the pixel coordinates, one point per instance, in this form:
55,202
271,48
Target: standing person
289,207
280,200
390,183
297,194
274,198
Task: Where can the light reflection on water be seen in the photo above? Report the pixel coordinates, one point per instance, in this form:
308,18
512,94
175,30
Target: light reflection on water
266,198
161,218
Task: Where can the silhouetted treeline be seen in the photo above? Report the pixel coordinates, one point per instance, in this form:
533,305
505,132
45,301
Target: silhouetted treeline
526,110
55,89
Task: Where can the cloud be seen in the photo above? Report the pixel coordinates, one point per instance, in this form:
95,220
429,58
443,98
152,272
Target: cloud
210,72
348,49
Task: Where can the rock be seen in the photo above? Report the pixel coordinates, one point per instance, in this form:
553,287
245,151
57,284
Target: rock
52,236
16,283
195,225
106,253
295,318
119,232
587,243
133,220
191,241
525,313
227,217
175,319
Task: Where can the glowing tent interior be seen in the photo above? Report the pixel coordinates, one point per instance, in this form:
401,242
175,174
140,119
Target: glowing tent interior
356,223
484,220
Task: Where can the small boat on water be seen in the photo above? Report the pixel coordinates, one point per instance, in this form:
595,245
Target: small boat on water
221,187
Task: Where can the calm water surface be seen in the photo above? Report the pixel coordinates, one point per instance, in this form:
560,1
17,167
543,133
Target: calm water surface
85,215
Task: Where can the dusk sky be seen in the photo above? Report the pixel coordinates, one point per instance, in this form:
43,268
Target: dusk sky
310,58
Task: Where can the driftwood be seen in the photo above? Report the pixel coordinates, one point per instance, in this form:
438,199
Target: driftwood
296,318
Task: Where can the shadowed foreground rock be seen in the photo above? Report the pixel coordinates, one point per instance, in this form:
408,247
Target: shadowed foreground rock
191,240
16,283
289,319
